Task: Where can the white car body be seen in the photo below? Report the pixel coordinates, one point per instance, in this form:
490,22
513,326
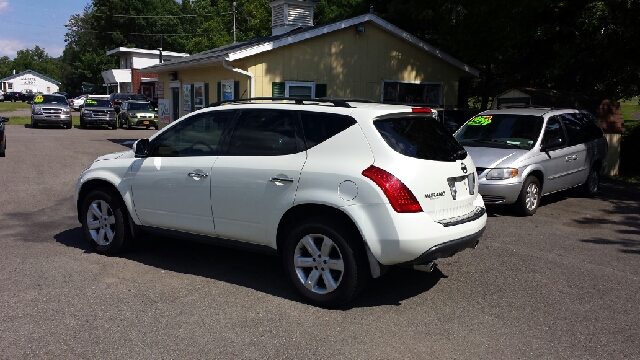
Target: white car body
240,202
77,102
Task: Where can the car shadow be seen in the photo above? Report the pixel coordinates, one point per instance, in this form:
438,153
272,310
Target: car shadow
622,214
256,271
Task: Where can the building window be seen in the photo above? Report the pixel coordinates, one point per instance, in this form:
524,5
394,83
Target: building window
9,86
427,93
298,89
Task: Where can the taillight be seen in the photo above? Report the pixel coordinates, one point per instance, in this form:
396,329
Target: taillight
421,110
400,197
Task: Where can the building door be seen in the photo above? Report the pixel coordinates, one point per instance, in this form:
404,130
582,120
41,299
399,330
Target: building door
175,103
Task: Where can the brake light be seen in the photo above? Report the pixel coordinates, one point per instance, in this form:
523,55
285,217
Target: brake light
421,110
400,197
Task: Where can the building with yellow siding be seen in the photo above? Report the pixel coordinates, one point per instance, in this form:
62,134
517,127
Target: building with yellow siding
364,57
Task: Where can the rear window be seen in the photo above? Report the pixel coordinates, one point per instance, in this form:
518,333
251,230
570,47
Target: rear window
421,138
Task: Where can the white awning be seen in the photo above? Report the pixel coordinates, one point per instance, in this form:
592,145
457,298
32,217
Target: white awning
115,76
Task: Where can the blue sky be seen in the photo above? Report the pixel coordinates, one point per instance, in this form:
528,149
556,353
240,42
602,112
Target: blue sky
27,23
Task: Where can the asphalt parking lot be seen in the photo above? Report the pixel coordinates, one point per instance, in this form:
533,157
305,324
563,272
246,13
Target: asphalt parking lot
563,284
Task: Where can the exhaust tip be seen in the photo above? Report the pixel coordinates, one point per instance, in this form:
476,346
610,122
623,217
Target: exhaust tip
425,267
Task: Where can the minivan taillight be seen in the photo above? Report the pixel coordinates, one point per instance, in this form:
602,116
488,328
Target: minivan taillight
400,197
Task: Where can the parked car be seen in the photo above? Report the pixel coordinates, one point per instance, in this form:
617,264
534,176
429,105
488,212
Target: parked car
137,113
28,95
12,96
97,111
118,98
3,136
524,153
50,109
341,190
77,102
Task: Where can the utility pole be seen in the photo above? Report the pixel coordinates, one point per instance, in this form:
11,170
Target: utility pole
234,22
160,49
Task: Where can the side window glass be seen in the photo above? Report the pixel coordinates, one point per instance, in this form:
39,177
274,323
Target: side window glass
576,133
553,130
199,135
264,133
318,127
592,129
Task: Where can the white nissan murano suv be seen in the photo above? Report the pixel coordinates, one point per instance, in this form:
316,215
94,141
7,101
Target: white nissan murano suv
340,190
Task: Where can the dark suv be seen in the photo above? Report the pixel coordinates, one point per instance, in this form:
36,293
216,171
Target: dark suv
97,111
117,99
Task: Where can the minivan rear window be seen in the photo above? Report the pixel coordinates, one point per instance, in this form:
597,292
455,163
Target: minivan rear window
420,137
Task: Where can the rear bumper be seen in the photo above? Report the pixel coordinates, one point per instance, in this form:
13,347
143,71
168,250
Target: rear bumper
447,249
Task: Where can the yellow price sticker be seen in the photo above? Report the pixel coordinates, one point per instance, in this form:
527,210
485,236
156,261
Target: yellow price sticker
480,120
38,99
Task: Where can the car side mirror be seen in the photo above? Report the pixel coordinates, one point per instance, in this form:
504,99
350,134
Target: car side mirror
4,119
552,144
141,148
30,102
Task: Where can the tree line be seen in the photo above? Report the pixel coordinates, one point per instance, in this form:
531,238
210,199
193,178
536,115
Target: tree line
582,46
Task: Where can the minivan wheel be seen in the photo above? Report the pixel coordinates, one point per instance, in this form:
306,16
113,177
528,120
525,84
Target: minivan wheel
325,261
529,197
104,222
591,185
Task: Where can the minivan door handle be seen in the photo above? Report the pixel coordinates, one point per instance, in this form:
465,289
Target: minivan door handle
572,157
281,179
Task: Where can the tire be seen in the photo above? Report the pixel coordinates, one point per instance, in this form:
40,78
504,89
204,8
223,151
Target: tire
3,151
592,184
82,124
68,125
128,124
34,124
315,278
109,235
529,198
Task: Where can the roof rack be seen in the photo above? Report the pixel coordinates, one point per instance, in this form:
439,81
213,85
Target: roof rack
523,106
298,101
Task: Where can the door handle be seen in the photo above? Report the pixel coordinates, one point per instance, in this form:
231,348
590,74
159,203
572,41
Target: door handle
572,157
198,175
281,179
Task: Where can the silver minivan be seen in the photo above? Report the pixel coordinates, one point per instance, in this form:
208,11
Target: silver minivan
522,154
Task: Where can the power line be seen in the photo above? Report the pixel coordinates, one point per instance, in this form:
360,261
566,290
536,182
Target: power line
155,16
131,33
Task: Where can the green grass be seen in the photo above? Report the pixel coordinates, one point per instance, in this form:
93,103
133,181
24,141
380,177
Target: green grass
11,106
26,120
628,107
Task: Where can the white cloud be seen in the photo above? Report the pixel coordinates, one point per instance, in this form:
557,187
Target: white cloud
9,47
4,5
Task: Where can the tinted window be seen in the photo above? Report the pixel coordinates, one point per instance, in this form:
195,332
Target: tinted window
576,130
139,106
50,99
501,131
591,126
318,127
198,135
553,130
419,137
264,133
97,103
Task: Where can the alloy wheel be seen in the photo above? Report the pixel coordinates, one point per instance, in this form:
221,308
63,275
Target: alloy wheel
101,222
318,263
531,199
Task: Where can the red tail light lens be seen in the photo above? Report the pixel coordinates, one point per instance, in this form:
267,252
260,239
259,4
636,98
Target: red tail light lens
421,110
400,197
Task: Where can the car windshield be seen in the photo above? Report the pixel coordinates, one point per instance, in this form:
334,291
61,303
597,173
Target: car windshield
501,131
97,103
49,99
140,106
